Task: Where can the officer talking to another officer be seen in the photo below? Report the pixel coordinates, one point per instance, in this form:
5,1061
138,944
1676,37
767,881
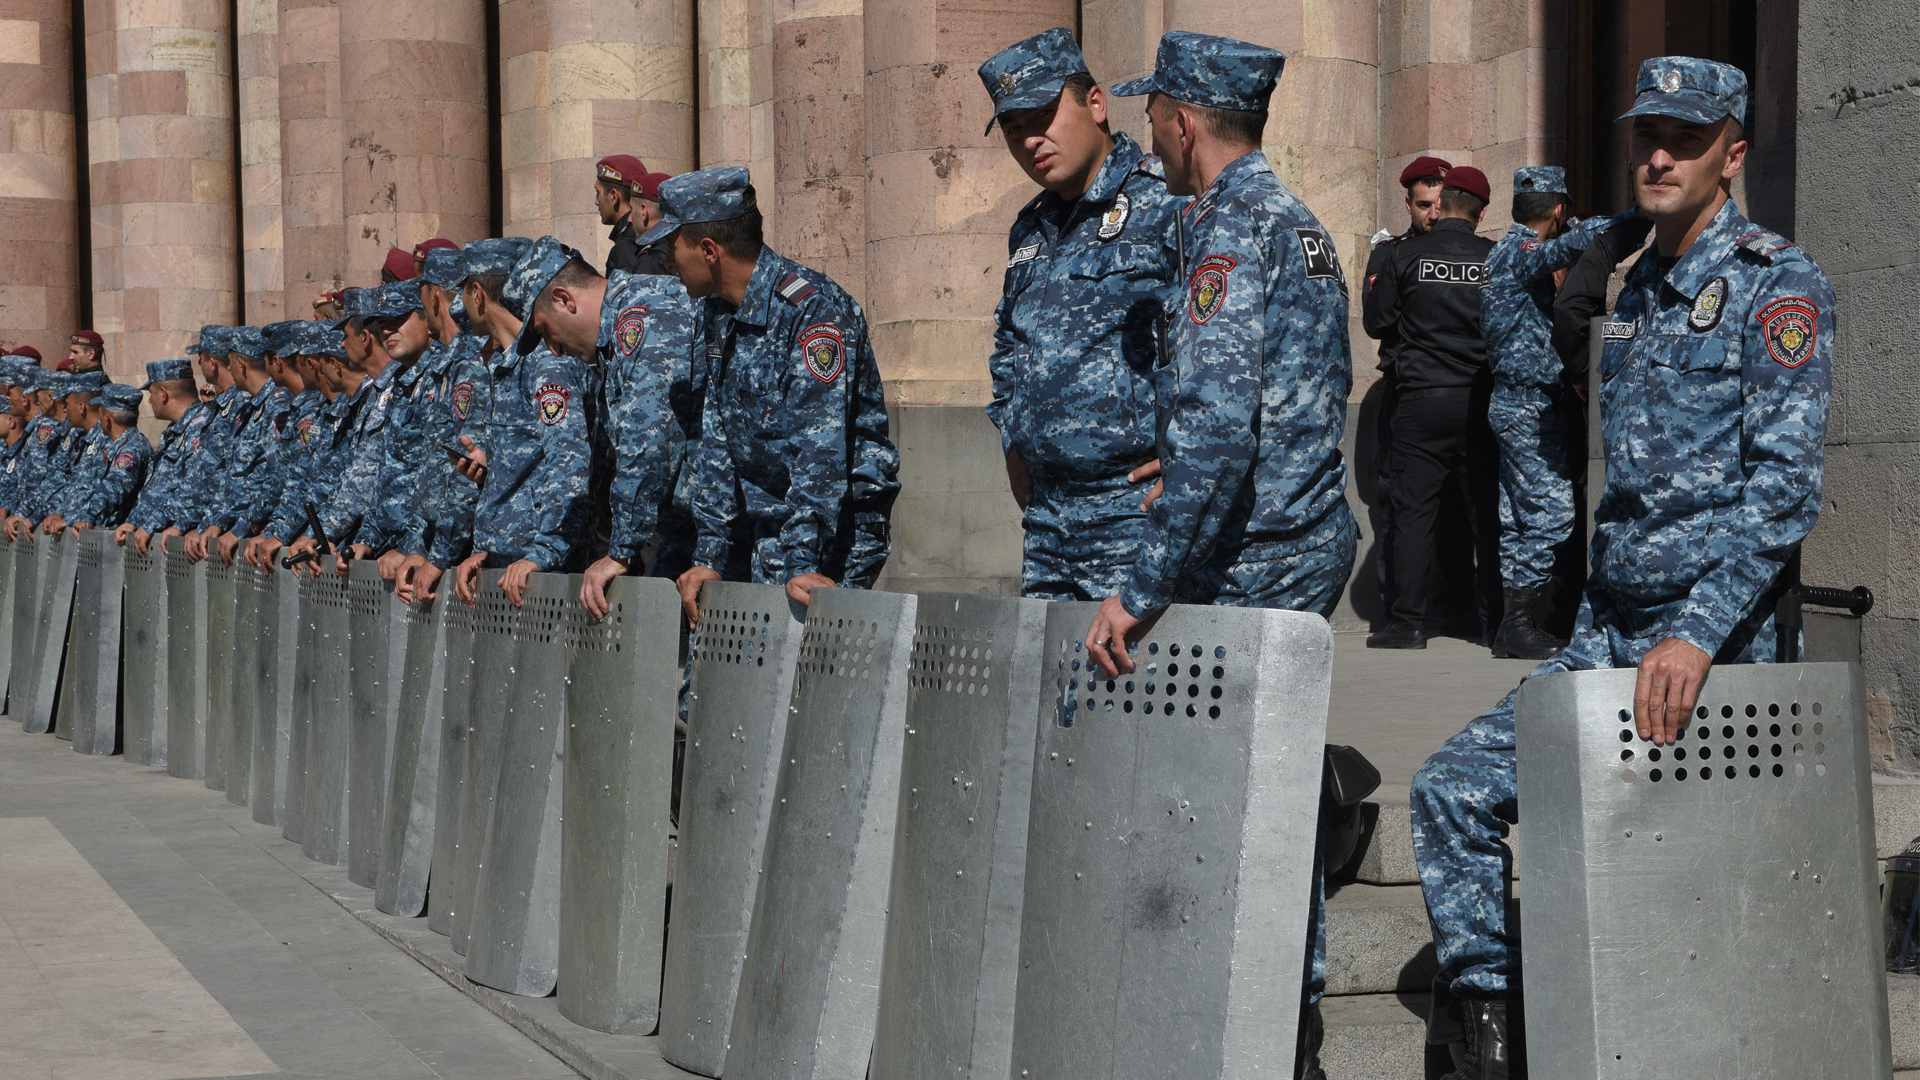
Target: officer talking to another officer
628,198
1714,385
1077,331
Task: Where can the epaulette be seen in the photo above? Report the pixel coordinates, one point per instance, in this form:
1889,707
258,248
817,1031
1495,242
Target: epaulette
1152,166
1764,243
793,288
1379,238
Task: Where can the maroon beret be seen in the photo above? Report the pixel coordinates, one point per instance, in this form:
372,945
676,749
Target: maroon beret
1470,180
649,185
399,263
420,249
1424,168
623,169
87,337
27,351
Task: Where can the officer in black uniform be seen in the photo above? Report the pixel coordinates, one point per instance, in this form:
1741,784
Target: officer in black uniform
1427,298
628,198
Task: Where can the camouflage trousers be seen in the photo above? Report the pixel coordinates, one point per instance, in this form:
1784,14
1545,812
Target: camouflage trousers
1464,802
1081,537
1536,483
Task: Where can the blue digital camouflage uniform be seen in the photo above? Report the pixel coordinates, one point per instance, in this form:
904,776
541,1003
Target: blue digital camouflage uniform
157,505
9,453
347,509
654,394
253,474
1516,316
311,426
460,406
402,451
1714,392
122,468
204,477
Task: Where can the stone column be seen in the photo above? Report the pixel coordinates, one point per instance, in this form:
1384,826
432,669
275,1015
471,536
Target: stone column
413,88
1519,95
39,190
1119,39
160,141
818,209
735,80
314,254
262,245
526,149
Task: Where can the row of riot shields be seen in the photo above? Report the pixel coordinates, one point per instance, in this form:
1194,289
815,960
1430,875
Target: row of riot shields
919,836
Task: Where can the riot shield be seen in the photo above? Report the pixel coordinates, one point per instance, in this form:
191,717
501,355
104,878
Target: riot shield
186,663
59,565
373,710
63,702
953,917
96,662
25,605
221,643
300,728
622,694
143,649
455,704
1170,848
8,560
277,601
243,697
489,689
1707,909
323,828
810,986
406,843
513,942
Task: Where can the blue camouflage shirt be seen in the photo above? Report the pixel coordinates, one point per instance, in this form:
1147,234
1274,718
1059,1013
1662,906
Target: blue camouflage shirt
9,471
654,393
460,406
202,481
122,469
1253,398
393,516
1516,304
157,505
307,426
1713,402
535,501
42,465
357,463
254,476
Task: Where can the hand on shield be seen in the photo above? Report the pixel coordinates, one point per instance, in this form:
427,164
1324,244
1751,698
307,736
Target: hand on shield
1106,642
228,543
514,581
1664,694
689,584
53,524
800,587
593,585
466,574
121,532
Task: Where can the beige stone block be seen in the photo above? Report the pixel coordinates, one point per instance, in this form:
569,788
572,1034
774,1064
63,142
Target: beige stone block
198,137
260,142
932,352
461,21
523,139
260,185
151,92
1450,29
213,182
790,10
529,200
309,35
663,73
256,16
22,306
1120,37
20,42
524,82
260,98
309,91
1323,102
585,234
35,176
185,311
258,55
937,277
659,133
592,70
1336,183
916,193
154,180
157,266
179,48
209,95
523,27
309,147
1340,29
926,106
1276,24
657,22
463,129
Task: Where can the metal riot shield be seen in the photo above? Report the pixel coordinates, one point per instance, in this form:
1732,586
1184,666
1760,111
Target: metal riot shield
743,656
810,987
1170,848
25,605
63,702
513,942
96,660
221,642
489,690
377,656
59,565
8,561
406,843
953,920
299,727
1707,909
277,603
186,663
143,650
243,696
323,827
455,710
622,695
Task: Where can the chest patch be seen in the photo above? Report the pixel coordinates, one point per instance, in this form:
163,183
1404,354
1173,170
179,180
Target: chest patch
1114,221
550,401
461,399
1449,272
1709,306
1619,331
1318,256
42,434
824,350
1027,254
1207,289
303,431
630,327
125,460
1790,326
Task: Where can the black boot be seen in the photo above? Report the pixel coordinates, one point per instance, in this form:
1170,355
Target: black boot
1495,1044
1520,635
1397,635
1306,1054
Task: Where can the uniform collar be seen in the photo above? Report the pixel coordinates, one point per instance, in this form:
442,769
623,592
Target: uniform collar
1248,164
1711,248
387,375
610,304
1517,229
225,398
1112,175
622,228
768,269
1453,224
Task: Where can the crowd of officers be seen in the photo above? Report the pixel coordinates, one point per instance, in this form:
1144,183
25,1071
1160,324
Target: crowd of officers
1171,370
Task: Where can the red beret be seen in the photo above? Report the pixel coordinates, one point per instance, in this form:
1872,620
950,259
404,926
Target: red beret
27,351
1424,168
648,186
620,169
1470,180
399,263
326,298
420,249
87,337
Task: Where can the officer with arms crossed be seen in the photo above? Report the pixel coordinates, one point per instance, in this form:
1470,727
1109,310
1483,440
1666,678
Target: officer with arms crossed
1714,392
1251,507
1077,332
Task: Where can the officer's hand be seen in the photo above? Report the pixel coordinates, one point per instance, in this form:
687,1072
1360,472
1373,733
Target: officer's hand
228,542
800,588
342,565
403,575
514,581
389,564
1020,478
1149,471
252,552
140,539
1663,696
593,585
689,584
418,578
75,528
121,532
207,392
474,465
171,530
1106,640
359,551
12,529
53,524
195,546
466,574
306,545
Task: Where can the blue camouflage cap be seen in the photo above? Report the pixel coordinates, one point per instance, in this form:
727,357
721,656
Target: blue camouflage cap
283,338
18,371
398,299
529,278
718,194
1218,72
54,383
167,371
323,338
119,396
1691,89
248,341
1031,73
84,382
492,256
457,307
1540,180
445,267
213,339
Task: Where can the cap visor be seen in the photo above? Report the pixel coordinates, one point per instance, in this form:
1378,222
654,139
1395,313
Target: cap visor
661,229
1132,87
1031,98
527,341
1691,106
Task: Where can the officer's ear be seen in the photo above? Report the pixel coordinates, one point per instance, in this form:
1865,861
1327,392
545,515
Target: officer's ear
711,251
1097,105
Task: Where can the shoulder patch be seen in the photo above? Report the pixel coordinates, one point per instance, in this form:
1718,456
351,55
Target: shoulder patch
1790,325
793,288
1709,306
824,349
1318,256
303,431
1207,289
1530,245
1114,221
551,403
124,460
629,327
1025,254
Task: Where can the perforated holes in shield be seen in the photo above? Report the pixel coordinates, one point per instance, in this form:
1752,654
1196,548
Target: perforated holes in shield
1167,680
952,659
1727,741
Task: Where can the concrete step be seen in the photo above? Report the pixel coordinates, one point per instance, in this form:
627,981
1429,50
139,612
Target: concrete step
1378,940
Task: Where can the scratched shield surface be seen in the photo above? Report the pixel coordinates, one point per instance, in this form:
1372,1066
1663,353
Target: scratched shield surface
455,725
9,561
1710,908
742,656
24,603
494,620
220,655
186,663
143,647
810,987
96,659
300,730
1170,848
376,650
59,566
323,828
243,696
406,844
278,595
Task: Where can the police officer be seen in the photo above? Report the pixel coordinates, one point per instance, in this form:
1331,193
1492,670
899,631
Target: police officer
252,476
1428,296
86,351
232,449
75,465
16,380
328,450
173,397
1714,384
1251,508
628,198
1538,467
1076,334
402,448
117,474
293,438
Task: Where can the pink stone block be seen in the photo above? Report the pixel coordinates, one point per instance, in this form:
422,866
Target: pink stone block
936,277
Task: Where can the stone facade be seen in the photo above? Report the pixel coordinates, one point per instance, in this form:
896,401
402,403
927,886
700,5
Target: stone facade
39,177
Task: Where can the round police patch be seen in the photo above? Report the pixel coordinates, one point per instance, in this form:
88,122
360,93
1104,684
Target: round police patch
1670,81
824,350
1709,305
1114,221
1208,288
125,460
42,435
1790,325
629,328
461,399
304,432
551,400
